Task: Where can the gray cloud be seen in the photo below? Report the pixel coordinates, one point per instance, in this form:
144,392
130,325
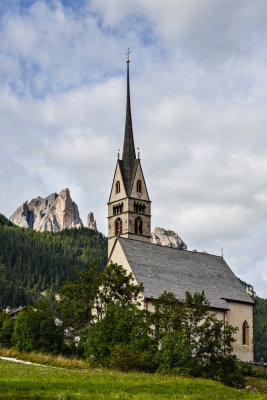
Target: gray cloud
198,85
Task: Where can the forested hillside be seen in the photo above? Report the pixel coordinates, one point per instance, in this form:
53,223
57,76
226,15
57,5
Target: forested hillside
260,325
33,262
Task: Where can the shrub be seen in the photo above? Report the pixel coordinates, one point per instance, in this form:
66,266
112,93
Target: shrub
36,330
175,351
6,330
226,370
121,325
246,369
126,359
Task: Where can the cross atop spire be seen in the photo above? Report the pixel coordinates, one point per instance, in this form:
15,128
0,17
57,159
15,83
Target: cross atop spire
128,155
128,55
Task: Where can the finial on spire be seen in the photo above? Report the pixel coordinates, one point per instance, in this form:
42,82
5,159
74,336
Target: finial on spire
128,55
119,153
138,153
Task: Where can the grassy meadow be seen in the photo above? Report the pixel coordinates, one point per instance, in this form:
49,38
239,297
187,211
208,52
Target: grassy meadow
21,381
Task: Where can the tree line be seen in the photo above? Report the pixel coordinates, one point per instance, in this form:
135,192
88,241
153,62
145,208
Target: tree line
34,262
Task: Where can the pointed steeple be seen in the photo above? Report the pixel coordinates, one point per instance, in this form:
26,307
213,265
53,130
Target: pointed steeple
128,155
129,206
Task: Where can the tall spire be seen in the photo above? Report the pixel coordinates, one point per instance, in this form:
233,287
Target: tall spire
128,155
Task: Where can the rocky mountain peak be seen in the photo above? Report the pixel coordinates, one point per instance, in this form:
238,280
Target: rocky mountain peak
52,213
91,222
167,238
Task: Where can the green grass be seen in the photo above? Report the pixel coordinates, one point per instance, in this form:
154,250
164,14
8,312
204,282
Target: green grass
20,381
45,359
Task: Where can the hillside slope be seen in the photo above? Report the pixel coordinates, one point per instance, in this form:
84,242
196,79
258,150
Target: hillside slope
33,262
260,329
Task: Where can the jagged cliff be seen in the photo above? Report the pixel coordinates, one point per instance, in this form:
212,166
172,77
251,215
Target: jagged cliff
91,222
53,213
167,238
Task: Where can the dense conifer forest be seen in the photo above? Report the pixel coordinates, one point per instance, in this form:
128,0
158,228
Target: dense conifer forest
33,262
260,326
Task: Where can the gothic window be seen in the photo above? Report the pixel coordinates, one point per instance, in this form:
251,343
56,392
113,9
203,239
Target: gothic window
139,186
118,209
118,187
139,208
245,333
138,226
118,226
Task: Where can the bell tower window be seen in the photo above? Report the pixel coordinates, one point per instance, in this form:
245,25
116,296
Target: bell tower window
118,209
139,208
118,226
245,333
138,226
139,186
117,187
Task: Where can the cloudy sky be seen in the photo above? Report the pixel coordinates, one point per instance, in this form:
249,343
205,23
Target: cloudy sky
199,96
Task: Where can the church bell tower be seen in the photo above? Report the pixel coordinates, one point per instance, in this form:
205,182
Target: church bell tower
129,206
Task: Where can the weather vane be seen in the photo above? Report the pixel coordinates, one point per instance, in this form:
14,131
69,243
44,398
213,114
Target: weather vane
128,55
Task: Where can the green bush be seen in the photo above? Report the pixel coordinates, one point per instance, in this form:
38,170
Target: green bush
6,330
225,370
246,369
35,330
121,325
124,358
175,352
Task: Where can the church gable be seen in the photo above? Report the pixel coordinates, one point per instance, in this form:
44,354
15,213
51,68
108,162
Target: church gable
139,189
118,189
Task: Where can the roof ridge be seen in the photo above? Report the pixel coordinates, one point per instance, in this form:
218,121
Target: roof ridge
173,248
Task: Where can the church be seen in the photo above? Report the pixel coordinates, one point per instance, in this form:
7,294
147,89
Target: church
161,268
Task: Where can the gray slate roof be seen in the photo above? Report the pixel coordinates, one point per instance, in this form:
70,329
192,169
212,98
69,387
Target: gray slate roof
162,268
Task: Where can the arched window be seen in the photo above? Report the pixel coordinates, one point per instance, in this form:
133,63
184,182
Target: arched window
139,208
138,226
117,209
118,226
139,186
245,333
118,187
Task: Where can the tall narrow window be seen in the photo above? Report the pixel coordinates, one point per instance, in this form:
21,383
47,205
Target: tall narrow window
118,226
139,186
118,187
245,333
138,226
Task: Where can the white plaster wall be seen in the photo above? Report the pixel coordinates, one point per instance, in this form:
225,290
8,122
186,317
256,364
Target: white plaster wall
236,316
118,257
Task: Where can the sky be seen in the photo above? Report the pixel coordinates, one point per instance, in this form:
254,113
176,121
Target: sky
198,76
